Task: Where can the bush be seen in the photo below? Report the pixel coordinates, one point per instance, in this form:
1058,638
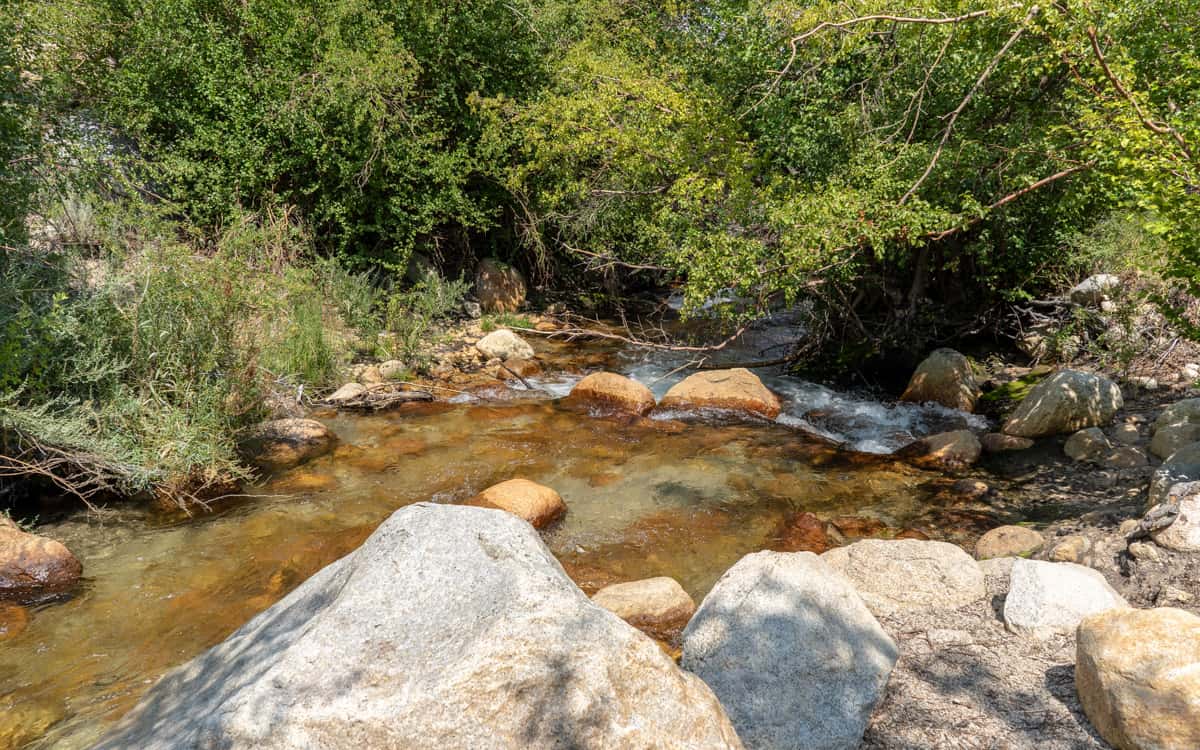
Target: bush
412,316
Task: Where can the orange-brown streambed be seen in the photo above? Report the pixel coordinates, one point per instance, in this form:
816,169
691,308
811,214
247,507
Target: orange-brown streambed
645,497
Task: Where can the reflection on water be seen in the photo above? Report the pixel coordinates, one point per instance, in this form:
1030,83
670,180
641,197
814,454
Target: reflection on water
646,497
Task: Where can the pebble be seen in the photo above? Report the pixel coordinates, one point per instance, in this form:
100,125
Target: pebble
1144,551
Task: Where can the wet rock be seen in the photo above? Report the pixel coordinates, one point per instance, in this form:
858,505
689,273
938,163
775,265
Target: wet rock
499,287
1095,289
998,442
24,720
32,566
518,367
1181,466
1067,401
946,378
1170,438
451,627
1087,445
945,451
1046,599
283,443
1137,677
535,503
1008,541
1126,457
729,390
743,642
1183,533
656,606
801,532
858,527
609,391
347,392
970,489
1072,548
906,574
13,621
503,344
917,534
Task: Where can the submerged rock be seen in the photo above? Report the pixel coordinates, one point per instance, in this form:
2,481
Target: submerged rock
729,390
534,503
13,621
1067,401
792,652
801,532
499,287
284,443
503,344
610,391
451,627
1046,598
1138,677
1008,541
906,574
657,606
32,566
948,450
946,378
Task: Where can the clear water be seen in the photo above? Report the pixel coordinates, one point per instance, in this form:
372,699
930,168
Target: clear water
646,497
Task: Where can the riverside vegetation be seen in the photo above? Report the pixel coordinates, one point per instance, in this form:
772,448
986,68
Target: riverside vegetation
261,250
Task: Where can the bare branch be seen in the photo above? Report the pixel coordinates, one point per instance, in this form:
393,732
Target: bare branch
983,77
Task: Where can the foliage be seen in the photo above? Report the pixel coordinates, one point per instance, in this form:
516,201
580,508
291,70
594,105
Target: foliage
412,315
491,323
16,134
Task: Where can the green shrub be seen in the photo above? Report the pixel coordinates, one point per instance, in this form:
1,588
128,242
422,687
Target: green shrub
412,316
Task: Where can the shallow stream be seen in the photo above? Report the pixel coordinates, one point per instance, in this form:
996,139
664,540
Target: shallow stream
678,495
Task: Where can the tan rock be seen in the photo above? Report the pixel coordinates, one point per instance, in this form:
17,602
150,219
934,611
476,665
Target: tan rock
657,606
732,390
947,450
998,442
1067,401
1138,677
801,532
608,390
284,443
1071,548
518,367
13,620
347,392
1087,445
31,565
23,721
1008,541
946,378
535,503
499,287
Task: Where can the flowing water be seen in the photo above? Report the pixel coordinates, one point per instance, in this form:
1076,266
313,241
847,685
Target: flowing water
677,495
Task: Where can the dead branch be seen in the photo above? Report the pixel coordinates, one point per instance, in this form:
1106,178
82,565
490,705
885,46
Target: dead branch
979,82
608,261
379,397
795,42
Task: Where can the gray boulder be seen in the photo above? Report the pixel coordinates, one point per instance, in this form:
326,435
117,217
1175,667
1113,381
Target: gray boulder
1067,401
283,443
451,627
1087,445
1181,466
792,652
1095,289
1170,438
1046,599
894,575
944,377
1183,532
504,344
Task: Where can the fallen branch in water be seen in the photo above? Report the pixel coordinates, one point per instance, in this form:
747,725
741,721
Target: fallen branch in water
380,397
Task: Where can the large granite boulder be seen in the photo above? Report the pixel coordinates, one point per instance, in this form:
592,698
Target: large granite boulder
451,627
608,391
283,443
1138,677
945,377
792,652
1095,289
499,287
1047,598
32,566
503,344
1067,401
1178,426
896,575
726,390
